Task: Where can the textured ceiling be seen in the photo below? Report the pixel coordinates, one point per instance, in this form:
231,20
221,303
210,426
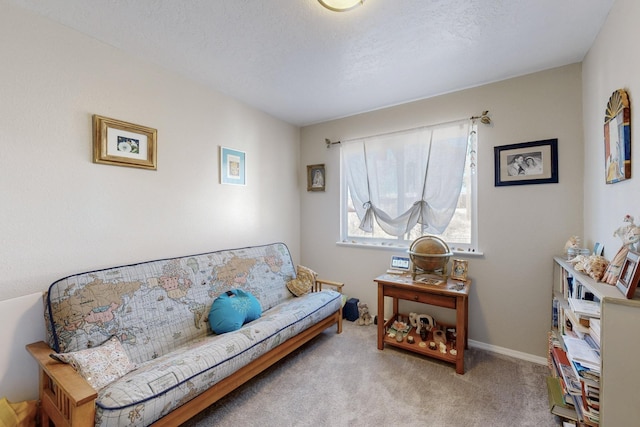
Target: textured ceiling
305,64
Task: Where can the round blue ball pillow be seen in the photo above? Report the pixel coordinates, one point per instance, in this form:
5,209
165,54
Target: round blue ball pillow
233,309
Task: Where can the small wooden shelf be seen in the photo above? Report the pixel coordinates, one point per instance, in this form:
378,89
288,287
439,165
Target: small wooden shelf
451,294
416,348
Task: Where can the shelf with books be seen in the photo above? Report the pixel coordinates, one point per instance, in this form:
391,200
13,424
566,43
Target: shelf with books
593,347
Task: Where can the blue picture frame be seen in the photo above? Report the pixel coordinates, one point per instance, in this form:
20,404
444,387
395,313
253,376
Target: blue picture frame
233,167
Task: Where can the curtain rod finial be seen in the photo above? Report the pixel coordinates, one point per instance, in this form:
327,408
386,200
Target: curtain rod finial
329,143
484,118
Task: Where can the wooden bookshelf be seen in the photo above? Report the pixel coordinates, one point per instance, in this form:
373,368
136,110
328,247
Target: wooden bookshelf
619,338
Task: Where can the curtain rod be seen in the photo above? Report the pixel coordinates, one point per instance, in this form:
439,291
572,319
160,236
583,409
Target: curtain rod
484,119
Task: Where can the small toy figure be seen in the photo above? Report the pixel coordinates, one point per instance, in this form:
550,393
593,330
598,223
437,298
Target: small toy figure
421,321
364,318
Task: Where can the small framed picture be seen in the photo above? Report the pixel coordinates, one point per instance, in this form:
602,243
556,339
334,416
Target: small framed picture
526,163
315,178
629,275
598,248
459,270
124,144
233,169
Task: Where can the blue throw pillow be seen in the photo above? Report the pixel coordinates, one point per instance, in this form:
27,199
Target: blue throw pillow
233,309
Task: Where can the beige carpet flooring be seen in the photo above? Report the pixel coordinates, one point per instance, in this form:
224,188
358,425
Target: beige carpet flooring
344,380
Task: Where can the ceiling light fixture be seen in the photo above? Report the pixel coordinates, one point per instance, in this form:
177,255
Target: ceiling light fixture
340,5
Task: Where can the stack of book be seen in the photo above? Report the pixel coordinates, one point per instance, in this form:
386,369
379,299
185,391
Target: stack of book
585,363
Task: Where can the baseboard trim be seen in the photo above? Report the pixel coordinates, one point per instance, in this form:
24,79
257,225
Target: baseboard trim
508,352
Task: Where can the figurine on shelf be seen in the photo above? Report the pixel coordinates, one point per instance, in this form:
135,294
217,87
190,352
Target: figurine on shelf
572,243
629,233
421,321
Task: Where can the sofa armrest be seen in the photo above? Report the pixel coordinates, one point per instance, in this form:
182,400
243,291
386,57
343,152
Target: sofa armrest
65,397
319,282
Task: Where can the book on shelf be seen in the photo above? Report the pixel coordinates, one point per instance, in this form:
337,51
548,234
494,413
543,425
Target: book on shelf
557,404
570,383
583,307
578,350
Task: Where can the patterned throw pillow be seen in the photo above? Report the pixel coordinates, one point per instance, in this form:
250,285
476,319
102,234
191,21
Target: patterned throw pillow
100,366
304,281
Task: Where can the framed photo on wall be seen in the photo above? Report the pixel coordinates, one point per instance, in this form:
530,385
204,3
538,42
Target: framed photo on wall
233,168
315,177
526,163
629,275
120,143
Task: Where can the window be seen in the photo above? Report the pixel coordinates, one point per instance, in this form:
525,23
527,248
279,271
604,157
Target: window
397,187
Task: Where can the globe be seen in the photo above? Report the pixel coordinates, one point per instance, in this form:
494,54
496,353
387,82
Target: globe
429,254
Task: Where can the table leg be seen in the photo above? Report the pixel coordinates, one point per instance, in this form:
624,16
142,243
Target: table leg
380,316
461,333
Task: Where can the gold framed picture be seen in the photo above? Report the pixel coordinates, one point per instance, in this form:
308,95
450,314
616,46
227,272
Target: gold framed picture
315,177
120,143
459,270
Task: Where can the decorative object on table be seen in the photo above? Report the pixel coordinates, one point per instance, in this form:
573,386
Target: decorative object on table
617,137
399,336
429,255
421,321
120,143
629,275
526,163
629,233
315,177
439,336
399,328
364,318
410,339
432,345
233,168
459,270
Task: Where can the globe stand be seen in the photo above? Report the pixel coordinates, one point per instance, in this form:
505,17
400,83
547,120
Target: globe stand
429,255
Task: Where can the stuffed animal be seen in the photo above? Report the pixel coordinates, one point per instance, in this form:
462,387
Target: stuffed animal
364,316
420,321
573,242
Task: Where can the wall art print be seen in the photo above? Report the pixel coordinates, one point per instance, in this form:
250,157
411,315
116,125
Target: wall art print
233,168
120,143
533,162
617,137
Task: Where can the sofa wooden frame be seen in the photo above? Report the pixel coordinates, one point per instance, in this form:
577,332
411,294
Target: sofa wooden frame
67,400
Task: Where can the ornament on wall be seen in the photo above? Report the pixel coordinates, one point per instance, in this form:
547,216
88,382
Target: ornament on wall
617,137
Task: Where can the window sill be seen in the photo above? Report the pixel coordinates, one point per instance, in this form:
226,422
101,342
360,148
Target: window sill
404,248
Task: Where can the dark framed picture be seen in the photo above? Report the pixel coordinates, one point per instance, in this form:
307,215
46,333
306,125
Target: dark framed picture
315,178
120,143
629,275
526,163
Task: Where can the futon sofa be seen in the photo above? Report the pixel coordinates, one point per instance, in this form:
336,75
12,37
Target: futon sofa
148,323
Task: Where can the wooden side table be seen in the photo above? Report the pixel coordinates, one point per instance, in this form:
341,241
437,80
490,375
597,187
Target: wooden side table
453,294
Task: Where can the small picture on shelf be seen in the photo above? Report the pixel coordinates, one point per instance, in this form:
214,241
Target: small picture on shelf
629,275
598,248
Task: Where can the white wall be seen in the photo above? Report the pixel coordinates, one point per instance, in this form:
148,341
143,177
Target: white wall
612,63
61,214
521,227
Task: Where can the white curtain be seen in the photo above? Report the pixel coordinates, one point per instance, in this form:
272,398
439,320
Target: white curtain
407,178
